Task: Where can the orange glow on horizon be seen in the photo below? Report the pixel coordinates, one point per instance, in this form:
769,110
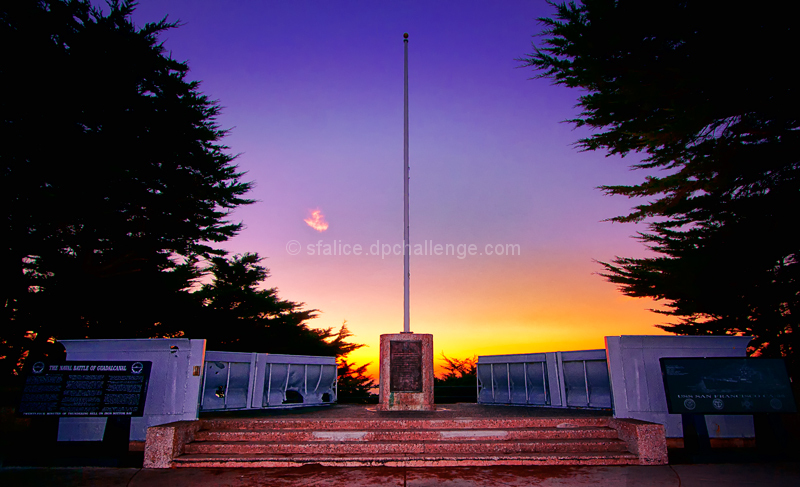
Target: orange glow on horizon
544,300
568,330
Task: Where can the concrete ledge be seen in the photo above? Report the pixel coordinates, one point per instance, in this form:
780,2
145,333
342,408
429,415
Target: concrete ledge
646,440
167,441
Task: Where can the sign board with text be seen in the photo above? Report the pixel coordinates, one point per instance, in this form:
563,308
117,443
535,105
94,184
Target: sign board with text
114,388
727,385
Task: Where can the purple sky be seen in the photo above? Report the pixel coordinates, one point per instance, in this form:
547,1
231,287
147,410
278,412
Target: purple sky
313,93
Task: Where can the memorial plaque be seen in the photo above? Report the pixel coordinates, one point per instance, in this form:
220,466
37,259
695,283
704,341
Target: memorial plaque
727,385
85,389
405,360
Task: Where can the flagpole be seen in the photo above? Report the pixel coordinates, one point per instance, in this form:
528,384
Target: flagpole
406,247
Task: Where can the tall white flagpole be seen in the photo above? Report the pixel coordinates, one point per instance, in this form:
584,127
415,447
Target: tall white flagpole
406,246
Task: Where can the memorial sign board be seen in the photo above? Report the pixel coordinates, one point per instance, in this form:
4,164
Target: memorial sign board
727,385
85,388
405,362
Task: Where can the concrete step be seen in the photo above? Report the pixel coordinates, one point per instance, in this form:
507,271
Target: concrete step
402,460
251,424
305,435
407,447
359,436
453,441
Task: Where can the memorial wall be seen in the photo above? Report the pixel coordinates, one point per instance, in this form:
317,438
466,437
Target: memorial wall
638,388
173,388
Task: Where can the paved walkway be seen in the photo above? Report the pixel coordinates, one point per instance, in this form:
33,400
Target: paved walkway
773,474
722,475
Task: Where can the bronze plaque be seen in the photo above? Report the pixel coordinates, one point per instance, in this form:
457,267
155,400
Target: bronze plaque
405,363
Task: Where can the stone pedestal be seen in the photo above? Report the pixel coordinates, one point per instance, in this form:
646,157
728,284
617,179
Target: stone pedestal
406,372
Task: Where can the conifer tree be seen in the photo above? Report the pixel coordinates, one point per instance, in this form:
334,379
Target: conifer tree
115,181
238,315
705,91
355,387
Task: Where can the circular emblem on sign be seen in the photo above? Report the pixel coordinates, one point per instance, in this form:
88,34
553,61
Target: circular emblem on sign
689,404
137,367
718,404
775,403
38,367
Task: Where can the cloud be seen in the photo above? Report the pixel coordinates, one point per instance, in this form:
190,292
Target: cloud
317,221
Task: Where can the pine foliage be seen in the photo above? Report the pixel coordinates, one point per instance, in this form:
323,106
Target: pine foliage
706,92
117,190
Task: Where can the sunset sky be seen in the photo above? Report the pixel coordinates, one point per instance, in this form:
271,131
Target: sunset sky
313,94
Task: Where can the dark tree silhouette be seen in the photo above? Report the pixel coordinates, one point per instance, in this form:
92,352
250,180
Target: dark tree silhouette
703,89
115,187
459,382
458,369
355,387
238,316
114,179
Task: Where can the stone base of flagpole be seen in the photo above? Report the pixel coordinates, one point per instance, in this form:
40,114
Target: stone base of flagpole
406,372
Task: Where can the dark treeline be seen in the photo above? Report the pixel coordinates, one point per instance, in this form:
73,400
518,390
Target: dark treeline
704,90
459,381
117,192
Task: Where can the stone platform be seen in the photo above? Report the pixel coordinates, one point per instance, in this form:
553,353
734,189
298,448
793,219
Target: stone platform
453,435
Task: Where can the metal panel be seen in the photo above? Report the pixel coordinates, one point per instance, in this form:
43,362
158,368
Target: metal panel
559,379
518,386
227,380
214,380
575,384
277,375
299,384
235,380
485,384
502,387
599,354
599,385
536,377
554,380
512,359
172,395
238,385
514,381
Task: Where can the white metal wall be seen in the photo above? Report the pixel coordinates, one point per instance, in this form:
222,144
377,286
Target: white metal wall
556,379
639,389
234,380
173,391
